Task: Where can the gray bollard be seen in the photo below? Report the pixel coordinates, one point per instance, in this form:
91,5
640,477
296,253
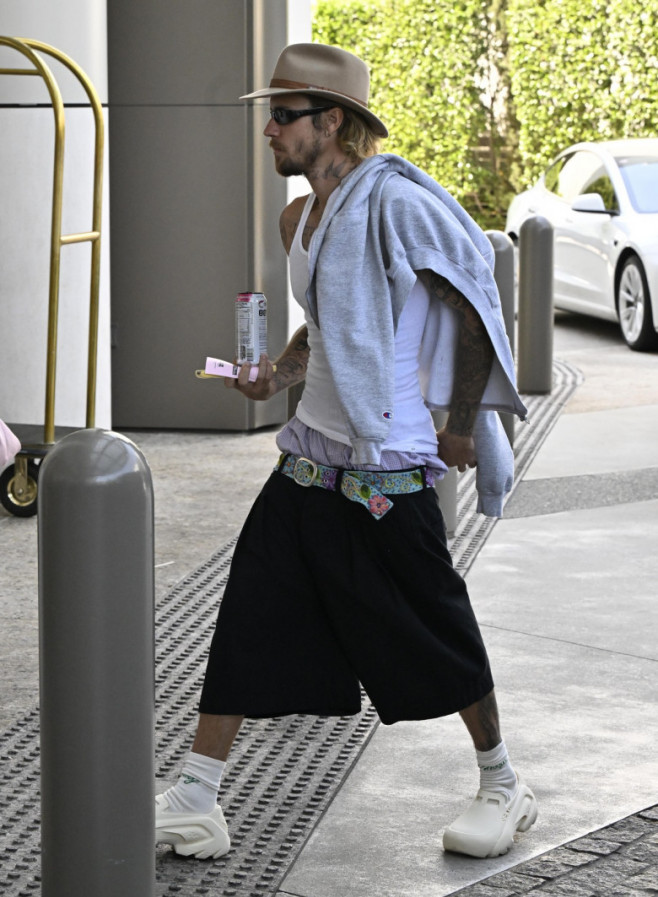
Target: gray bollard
504,276
96,635
535,363
446,488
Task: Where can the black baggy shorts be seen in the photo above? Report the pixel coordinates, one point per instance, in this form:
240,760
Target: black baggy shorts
322,596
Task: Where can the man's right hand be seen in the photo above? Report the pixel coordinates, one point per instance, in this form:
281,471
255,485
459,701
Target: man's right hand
455,450
262,388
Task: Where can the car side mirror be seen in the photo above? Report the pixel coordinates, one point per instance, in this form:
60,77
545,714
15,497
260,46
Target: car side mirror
591,202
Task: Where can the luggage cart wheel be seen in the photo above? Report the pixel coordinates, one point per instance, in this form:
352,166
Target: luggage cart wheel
18,488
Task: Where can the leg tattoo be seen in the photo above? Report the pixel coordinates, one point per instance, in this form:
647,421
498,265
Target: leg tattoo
482,722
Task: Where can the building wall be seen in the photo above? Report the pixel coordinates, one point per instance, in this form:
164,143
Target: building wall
195,204
190,213
77,28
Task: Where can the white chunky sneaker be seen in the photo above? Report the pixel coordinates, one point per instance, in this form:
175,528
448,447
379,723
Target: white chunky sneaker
203,835
488,826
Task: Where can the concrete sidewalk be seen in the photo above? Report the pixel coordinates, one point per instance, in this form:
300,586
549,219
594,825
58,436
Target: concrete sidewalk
565,591
564,587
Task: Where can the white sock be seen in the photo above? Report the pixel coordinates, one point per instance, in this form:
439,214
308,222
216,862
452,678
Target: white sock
196,789
496,773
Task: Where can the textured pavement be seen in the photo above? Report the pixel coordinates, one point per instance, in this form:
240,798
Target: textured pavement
620,860
564,588
579,638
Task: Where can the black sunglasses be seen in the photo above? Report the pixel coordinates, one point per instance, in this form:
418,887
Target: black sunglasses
283,116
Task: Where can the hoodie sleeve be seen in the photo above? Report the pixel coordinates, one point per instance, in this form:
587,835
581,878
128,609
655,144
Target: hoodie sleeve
494,475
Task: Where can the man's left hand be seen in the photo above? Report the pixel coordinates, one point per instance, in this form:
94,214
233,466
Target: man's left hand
456,451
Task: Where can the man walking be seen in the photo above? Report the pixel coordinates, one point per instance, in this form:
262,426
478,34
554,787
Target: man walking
342,575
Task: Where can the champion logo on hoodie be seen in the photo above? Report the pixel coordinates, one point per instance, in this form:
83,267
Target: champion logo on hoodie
388,415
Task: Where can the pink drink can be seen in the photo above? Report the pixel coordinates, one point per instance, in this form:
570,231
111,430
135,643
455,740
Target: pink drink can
250,327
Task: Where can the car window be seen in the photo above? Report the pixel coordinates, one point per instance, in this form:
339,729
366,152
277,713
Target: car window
581,172
641,178
552,175
603,186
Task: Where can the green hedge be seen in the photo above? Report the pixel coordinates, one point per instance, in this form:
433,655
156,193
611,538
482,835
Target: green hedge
482,93
581,70
423,56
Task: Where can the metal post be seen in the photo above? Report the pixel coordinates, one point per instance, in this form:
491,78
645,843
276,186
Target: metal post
504,276
446,488
535,367
96,635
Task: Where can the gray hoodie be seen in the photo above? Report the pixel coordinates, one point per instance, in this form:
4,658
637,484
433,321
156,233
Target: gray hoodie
386,221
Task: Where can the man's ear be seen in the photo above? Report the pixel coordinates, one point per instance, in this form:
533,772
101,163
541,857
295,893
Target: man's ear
333,119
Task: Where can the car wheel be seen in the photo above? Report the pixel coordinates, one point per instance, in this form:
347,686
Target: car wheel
634,307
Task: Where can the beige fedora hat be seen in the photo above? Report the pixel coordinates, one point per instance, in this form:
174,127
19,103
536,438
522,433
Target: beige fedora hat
323,71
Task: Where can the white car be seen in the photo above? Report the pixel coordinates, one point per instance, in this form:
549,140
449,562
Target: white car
602,201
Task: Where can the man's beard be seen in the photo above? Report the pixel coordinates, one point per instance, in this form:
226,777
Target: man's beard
288,167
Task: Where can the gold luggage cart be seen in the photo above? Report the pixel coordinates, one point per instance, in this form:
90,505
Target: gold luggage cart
18,482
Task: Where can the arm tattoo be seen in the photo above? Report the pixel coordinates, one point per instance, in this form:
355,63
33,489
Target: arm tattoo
474,355
291,366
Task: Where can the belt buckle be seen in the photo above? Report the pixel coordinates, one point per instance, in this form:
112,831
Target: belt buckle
304,477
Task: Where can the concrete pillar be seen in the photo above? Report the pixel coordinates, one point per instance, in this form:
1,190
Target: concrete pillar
195,205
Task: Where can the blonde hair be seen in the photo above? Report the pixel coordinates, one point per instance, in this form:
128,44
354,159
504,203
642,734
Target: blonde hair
355,137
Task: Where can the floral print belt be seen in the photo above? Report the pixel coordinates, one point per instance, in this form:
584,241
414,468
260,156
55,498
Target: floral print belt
368,487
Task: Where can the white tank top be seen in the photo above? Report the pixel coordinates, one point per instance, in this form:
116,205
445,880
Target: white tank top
412,428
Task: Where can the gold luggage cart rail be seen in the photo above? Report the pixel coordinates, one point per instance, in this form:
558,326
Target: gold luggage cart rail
19,484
